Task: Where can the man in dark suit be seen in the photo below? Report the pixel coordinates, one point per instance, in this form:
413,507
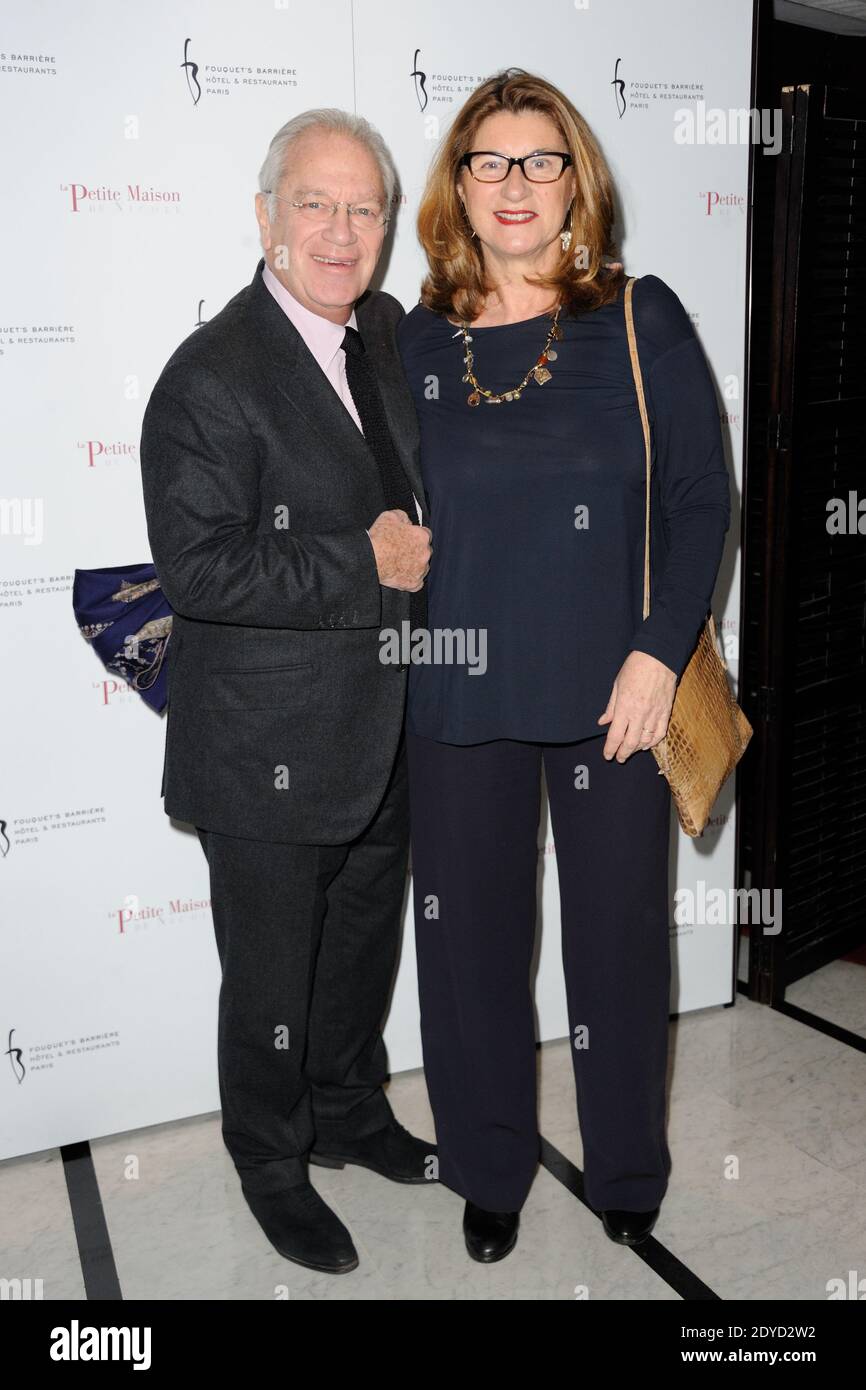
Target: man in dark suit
284,508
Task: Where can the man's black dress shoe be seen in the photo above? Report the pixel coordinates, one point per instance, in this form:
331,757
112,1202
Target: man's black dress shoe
490,1235
391,1151
302,1227
629,1227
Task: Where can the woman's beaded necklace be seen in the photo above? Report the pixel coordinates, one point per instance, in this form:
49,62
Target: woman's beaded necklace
537,372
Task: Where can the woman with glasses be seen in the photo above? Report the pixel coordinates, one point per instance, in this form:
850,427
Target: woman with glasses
533,460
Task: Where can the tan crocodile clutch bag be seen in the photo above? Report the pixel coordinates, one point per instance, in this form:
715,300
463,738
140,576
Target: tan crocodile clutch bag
708,732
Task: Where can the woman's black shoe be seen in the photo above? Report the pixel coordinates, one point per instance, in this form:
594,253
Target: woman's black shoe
490,1235
629,1227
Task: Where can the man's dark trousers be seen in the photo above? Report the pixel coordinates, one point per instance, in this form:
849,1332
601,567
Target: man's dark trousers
308,937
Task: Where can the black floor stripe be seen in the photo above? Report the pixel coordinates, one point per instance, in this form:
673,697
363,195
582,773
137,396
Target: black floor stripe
88,1217
660,1260
822,1025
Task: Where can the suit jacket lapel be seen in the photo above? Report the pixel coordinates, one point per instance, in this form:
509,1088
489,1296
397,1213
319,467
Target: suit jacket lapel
399,406
298,376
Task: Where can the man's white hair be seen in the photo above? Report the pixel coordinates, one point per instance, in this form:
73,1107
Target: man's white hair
332,119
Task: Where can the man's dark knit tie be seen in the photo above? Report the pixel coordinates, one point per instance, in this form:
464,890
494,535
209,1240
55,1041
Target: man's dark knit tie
374,423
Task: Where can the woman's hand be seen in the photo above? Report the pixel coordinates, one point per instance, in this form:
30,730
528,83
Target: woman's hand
639,707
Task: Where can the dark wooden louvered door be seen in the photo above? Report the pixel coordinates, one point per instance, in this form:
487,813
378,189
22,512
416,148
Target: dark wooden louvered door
802,791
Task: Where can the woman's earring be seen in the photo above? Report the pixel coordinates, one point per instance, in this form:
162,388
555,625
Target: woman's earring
565,236
472,231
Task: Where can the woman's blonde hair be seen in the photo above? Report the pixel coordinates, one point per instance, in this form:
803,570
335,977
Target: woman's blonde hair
456,283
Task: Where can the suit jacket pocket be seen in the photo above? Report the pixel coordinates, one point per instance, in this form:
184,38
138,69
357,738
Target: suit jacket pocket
271,687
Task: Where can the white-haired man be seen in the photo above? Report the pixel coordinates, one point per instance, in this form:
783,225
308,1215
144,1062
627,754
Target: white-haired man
285,511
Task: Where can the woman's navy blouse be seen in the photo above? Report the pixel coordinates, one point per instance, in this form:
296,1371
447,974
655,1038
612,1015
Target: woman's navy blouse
537,514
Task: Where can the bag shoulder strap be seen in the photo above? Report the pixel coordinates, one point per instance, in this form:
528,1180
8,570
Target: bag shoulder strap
638,381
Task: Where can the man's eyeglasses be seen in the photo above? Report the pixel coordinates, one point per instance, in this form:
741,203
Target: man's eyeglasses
542,166
368,214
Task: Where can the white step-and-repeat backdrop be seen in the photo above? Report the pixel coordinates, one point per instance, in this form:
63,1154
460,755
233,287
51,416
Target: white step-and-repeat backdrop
133,135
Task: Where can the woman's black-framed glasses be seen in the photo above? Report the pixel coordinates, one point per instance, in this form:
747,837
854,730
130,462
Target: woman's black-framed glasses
542,166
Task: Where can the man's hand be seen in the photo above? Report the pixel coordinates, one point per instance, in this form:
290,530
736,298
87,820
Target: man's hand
640,704
402,550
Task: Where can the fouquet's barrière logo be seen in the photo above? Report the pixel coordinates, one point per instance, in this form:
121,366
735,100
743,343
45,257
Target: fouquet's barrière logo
420,79
4,840
190,67
619,90
16,1057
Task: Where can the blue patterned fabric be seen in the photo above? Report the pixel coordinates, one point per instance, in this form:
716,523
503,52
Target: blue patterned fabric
124,614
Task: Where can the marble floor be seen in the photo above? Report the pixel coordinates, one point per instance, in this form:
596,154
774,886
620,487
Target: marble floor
767,1197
